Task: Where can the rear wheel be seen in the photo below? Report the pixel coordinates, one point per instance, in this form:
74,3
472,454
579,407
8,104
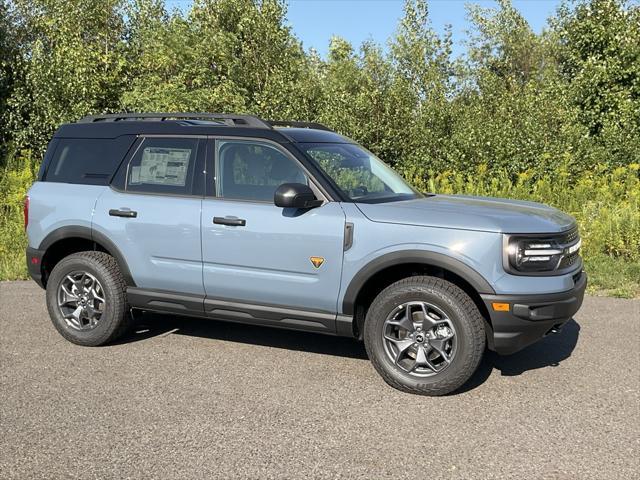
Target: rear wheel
86,299
424,335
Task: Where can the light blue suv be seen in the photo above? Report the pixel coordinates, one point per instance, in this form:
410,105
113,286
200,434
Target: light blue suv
288,224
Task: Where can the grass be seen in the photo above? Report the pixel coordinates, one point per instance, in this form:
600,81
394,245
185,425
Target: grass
13,243
612,277
605,203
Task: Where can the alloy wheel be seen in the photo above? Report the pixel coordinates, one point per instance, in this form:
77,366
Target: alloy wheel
419,338
81,300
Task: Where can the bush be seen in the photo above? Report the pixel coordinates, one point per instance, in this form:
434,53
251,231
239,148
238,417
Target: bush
13,242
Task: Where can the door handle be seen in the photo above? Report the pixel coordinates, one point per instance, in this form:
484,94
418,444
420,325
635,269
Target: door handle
114,212
233,222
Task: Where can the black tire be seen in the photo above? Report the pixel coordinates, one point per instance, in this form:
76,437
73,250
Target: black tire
114,320
460,310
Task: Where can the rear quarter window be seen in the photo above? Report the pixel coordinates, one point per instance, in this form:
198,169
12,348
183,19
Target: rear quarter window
91,161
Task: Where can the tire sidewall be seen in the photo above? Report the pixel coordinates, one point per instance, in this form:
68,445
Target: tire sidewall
462,364
108,321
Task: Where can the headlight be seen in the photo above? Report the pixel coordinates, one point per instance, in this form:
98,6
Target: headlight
543,254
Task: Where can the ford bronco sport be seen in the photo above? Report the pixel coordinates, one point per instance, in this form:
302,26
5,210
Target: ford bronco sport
288,224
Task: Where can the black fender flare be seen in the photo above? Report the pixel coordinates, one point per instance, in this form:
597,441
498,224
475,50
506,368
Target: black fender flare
74,231
477,281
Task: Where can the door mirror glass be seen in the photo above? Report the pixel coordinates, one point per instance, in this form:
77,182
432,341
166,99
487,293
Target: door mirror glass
295,195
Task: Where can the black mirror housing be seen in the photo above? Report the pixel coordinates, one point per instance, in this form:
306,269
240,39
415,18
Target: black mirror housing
295,195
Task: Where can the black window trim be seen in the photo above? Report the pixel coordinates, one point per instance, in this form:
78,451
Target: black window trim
205,168
214,141
119,179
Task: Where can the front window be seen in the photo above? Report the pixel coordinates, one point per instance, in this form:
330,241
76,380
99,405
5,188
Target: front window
252,170
358,173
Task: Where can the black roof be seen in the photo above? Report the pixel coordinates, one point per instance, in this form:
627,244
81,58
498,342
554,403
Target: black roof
115,125
310,135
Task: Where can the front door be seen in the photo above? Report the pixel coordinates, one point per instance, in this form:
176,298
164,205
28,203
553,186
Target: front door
263,263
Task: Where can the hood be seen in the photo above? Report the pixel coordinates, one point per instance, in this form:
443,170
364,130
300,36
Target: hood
471,213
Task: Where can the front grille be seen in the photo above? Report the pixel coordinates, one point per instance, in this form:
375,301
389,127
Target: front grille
569,260
570,237
567,241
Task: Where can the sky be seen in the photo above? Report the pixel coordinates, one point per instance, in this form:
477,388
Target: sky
316,21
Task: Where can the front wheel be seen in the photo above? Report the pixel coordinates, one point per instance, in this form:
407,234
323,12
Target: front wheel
424,335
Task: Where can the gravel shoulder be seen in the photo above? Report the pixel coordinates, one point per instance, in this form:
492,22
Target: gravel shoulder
191,398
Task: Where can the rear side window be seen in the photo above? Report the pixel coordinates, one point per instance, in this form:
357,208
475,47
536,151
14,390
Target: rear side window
163,165
91,161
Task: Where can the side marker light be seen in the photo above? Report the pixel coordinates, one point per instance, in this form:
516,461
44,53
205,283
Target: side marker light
500,307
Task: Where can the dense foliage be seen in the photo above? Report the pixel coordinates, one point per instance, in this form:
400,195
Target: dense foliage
553,117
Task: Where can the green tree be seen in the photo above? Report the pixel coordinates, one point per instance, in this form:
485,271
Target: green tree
258,53
72,61
8,52
424,78
225,55
510,109
503,43
396,102
420,55
598,50
173,67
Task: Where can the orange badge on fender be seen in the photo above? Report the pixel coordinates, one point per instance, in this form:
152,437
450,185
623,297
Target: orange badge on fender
317,261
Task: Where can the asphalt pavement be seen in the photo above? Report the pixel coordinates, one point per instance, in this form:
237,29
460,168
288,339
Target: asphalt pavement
189,398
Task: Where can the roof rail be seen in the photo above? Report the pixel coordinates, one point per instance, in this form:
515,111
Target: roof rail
222,118
286,123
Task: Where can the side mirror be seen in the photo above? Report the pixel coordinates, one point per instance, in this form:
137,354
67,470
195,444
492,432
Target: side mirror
295,195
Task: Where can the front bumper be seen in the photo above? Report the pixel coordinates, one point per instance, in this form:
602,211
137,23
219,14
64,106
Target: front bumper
531,317
34,265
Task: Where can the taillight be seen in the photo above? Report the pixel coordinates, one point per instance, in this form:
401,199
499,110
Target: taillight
26,211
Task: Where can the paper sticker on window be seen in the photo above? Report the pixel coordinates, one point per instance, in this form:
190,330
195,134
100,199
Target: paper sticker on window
163,166
134,179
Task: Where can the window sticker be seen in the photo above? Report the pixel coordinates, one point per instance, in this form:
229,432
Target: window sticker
134,179
162,166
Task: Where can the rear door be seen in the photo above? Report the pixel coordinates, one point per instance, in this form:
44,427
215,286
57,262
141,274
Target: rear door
152,213
259,259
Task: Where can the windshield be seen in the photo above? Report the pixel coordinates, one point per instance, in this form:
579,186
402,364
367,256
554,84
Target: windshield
358,173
